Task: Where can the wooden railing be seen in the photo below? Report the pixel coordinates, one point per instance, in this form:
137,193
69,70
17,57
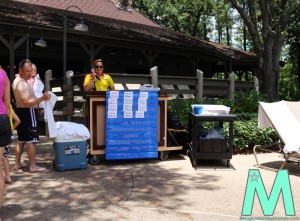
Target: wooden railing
184,87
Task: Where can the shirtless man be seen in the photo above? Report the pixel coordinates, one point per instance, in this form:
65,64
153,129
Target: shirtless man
27,111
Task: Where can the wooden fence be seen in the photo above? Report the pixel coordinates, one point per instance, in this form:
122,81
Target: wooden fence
185,87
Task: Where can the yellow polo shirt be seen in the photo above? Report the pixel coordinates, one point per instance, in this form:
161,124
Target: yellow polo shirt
101,85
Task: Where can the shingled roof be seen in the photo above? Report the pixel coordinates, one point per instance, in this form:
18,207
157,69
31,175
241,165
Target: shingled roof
101,8
106,20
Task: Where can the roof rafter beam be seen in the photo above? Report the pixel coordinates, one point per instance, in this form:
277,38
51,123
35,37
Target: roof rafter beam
4,41
91,50
19,42
194,61
150,56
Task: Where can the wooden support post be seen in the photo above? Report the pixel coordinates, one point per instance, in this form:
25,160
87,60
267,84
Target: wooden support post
48,77
154,76
69,110
231,86
199,95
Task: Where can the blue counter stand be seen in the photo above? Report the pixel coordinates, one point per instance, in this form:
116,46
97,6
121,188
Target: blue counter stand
131,135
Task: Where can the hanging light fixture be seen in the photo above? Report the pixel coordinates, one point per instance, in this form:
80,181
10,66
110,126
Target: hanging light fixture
41,43
81,27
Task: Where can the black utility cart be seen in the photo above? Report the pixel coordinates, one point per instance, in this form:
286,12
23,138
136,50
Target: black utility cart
210,143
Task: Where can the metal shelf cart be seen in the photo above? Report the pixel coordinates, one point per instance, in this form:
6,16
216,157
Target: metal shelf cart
205,147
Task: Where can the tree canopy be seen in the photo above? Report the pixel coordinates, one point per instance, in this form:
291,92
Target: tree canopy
266,23
190,17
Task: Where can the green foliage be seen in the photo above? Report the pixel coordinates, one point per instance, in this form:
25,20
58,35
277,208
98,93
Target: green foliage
247,101
181,107
244,102
224,21
247,135
246,132
288,86
226,102
189,17
293,73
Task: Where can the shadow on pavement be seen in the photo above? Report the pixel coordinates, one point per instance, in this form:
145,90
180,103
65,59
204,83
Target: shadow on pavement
71,195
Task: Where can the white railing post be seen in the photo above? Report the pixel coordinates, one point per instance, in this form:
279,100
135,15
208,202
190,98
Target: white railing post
48,78
231,86
256,84
199,95
154,76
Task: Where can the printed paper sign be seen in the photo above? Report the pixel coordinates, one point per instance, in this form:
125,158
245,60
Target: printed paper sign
112,101
112,104
128,101
114,94
142,108
128,94
128,114
127,107
142,104
111,114
139,114
144,95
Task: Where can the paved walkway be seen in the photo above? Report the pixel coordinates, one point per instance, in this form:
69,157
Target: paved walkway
139,190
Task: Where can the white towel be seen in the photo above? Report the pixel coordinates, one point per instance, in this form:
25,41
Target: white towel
70,130
38,88
48,114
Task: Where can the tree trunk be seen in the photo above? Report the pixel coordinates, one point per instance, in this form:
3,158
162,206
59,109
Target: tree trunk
267,40
228,35
270,66
270,79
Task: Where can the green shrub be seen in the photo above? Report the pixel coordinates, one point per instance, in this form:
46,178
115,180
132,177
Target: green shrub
247,135
181,107
289,88
247,101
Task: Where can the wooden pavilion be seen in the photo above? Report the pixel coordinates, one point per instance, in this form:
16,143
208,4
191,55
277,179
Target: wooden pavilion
127,41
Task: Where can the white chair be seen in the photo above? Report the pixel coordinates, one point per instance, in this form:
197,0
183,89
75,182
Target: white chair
284,117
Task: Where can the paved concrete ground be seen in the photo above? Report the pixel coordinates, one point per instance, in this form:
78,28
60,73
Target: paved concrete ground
139,190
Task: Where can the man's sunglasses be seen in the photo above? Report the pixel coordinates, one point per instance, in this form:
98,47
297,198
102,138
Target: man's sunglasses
99,67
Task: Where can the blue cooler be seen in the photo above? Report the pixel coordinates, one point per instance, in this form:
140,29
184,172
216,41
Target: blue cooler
70,155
